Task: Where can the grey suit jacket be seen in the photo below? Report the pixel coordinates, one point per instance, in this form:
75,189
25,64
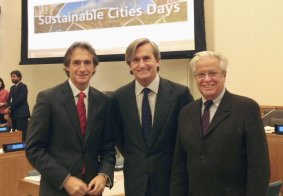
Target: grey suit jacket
55,146
232,159
147,169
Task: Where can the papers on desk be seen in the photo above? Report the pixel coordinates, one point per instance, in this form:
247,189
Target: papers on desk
269,129
1,150
33,178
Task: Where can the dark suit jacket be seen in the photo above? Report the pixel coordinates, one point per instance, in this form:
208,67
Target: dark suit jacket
231,160
55,146
148,166
18,102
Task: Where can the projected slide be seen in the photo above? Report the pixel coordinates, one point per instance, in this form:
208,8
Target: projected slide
109,25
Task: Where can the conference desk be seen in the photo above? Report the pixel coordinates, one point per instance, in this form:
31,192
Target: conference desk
13,167
28,187
10,137
275,146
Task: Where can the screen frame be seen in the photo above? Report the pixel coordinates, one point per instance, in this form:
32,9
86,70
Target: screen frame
200,41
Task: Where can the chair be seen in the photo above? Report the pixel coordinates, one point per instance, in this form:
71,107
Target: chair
274,117
274,188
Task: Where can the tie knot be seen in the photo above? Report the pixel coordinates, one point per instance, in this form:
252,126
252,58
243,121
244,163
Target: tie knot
81,95
146,91
207,104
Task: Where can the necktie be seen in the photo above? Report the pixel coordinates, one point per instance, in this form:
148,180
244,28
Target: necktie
146,116
82,112
206,116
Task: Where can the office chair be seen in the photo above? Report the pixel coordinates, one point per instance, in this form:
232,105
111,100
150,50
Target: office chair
274,117
274,188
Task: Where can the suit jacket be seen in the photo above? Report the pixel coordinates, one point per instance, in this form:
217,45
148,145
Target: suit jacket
18,102
55,146
147,169
231,160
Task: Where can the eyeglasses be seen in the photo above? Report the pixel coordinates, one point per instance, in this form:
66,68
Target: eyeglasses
85,62
210,74
137,61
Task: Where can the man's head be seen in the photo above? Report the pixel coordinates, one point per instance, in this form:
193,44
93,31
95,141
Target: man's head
209,69
16,76
143,58
80,63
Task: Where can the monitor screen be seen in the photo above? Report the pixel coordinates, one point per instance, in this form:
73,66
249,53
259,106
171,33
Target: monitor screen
51,26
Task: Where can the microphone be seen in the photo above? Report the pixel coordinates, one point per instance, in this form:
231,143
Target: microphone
263,116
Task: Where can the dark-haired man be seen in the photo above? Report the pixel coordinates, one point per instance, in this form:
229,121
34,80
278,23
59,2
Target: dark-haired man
18,103
69,141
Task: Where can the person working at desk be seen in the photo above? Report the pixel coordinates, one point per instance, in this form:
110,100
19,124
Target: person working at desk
221,147
69,141
145,118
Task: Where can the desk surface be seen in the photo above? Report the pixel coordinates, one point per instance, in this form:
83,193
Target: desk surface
13,167
10,137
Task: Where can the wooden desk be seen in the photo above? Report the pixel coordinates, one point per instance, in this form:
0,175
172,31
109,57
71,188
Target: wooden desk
275,145
31,188
28,188
13,167
10,137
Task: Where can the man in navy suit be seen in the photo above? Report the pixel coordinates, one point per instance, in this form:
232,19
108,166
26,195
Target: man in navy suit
72,157
18,103
147,156
230,155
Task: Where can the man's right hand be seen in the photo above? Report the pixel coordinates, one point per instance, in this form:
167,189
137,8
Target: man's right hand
75,186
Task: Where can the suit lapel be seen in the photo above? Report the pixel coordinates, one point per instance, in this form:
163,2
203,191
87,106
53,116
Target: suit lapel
69,104
196,116
93,110
131,110
163,102
222,112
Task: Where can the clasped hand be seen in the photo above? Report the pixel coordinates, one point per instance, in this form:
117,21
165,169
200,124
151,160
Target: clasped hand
76,187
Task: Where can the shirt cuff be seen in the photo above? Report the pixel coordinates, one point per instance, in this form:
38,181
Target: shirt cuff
108,181
62,186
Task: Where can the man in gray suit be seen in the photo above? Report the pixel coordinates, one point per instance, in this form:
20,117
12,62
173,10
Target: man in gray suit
72,148
221,149
147,151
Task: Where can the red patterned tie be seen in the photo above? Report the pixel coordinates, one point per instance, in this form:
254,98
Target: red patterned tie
82,112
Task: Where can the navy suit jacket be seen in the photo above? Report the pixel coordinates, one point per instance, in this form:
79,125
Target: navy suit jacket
147,169
17,101
55,146
232,159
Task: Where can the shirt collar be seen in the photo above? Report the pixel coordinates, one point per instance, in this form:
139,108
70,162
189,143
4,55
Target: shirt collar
76,91
217,100
153,86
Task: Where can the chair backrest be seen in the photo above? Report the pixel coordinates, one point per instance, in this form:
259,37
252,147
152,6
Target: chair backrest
275,117
274,188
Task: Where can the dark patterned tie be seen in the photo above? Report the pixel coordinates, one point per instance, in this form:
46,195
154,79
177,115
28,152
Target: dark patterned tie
82,112
206,116
146,116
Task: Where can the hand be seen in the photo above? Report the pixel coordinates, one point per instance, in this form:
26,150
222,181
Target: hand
96,185
75,187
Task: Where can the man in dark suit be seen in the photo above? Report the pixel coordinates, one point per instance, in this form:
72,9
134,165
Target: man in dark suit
147,155
71,146
221,149
18,103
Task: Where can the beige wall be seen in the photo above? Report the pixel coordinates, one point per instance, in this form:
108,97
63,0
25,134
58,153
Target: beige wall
249,33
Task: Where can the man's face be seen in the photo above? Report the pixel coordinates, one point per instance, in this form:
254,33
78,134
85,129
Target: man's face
15,79
144,65
209,77
81,68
